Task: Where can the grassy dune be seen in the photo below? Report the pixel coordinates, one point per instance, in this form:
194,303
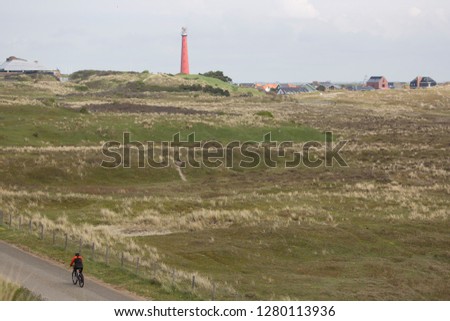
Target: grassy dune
376,230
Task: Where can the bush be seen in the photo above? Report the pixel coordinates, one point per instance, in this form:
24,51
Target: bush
195,87
84,110
136,85
218,75
216,91
82,74
49,102
264,113
207,89
140,86
81,88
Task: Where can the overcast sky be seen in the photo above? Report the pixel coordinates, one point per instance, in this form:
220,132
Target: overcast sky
250,40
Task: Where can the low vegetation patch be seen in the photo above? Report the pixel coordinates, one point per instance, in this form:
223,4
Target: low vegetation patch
264,113
12,292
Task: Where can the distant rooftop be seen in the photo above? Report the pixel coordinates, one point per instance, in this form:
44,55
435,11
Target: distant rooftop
14,64
375,79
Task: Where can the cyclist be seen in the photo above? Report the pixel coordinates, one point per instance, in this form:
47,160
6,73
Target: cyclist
77,262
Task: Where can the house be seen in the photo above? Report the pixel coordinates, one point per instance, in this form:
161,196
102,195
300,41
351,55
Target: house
309,88
327,85
289,90
422,82
14,65
18,65
268,87
378,82
287,85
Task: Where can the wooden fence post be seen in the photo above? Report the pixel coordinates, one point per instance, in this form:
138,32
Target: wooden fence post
30,226
65,241
93,251
20,222
193,282
121,260
137,266
42,231
1,217
10,220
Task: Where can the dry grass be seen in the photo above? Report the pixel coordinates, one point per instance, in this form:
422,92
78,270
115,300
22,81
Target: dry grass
12,292
256,232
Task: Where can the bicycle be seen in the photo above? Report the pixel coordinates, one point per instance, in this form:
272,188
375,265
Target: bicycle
77,277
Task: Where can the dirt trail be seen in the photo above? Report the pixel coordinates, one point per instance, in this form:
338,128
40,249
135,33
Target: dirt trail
52,281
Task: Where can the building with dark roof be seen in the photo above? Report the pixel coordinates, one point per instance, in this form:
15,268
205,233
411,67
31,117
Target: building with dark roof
289,90
326,85
378,82
422,82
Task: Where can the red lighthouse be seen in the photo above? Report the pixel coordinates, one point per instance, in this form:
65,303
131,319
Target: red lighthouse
184,52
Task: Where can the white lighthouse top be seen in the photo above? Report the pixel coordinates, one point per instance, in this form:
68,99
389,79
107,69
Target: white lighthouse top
184,31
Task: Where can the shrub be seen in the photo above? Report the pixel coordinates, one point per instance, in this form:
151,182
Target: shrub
206,89
84,110
81,88
216,91
218,75
50,102
264,113
195,87
82,74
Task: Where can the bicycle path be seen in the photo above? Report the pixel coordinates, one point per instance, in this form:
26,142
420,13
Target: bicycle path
52,281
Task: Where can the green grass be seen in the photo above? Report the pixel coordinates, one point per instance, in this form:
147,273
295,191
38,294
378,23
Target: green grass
318,263
44,126
377,230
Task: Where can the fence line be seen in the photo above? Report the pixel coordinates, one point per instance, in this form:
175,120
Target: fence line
111,257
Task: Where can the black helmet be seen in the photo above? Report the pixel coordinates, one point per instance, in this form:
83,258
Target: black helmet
77,254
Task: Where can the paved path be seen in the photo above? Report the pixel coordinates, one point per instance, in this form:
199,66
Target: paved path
52,281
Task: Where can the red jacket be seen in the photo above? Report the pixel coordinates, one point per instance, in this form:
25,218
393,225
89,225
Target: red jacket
76,257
